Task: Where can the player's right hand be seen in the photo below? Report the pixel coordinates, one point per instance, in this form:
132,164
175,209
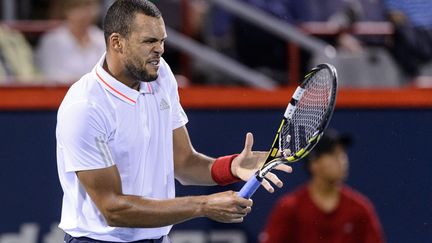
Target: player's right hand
226,207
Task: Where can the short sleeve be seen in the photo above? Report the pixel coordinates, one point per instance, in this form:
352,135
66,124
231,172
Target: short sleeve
82,134
179,117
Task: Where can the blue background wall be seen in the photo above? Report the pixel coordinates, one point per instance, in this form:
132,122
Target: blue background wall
390,163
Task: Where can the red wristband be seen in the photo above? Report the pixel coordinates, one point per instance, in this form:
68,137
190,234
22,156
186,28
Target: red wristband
221,170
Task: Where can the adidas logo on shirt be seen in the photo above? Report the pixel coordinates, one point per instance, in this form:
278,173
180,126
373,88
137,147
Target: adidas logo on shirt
163,105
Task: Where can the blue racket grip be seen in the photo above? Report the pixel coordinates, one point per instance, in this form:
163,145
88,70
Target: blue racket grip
250,187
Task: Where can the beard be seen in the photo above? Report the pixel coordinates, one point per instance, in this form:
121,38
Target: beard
138,73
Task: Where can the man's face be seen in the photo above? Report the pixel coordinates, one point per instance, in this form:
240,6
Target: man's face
332,166
144,48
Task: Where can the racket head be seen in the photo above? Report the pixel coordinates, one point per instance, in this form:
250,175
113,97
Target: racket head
306,117
312,113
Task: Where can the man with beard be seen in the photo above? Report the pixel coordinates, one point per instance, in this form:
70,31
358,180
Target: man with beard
122,140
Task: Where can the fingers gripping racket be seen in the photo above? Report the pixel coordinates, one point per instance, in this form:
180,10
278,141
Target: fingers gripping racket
305,120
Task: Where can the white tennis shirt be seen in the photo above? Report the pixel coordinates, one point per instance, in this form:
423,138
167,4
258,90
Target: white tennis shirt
102,122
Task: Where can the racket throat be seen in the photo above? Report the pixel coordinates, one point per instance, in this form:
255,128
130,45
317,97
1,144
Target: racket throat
261,173
259,177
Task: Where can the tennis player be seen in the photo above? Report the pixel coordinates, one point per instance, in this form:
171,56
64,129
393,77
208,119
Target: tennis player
325,209
122,140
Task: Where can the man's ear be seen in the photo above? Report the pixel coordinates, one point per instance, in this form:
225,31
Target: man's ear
115,42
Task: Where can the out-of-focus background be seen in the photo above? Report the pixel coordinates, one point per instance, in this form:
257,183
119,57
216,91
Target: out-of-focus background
236,62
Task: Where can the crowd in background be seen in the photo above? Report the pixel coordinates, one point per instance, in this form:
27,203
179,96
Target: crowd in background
66,52
59,55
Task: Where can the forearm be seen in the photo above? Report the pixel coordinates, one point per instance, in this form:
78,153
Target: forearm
195,170
120,210
138,212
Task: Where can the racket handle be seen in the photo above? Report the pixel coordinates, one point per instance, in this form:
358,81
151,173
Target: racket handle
250,187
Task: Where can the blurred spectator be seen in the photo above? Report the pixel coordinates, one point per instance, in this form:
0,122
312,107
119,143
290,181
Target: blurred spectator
412,42
340,14
16,57
324,210
69,51
259,49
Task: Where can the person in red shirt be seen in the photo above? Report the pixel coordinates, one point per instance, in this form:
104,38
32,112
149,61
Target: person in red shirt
324,210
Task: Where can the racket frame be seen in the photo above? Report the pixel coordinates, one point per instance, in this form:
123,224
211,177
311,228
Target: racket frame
276,157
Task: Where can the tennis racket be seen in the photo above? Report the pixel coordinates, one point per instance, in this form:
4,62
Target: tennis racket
304,121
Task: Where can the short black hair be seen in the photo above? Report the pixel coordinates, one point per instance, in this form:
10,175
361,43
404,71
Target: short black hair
121,13
327,144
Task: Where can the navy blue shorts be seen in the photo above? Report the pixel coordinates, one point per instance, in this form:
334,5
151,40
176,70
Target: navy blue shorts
70,239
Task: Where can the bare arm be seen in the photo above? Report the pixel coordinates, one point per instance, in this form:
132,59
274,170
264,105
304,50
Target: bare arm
191,167
194,168
120,210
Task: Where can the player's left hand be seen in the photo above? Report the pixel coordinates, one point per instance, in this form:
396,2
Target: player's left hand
248,162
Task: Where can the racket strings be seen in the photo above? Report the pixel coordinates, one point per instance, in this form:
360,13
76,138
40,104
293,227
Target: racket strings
310,111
